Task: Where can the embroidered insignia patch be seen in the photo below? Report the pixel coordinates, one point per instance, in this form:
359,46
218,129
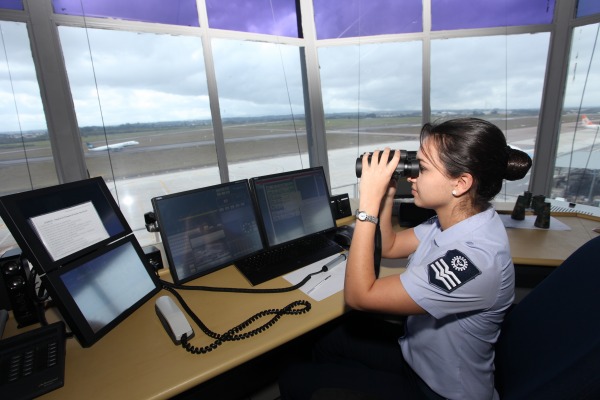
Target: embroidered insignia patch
452,271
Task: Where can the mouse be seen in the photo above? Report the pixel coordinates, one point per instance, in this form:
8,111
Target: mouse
343,235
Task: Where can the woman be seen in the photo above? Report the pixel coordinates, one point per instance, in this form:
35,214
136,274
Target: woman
457,286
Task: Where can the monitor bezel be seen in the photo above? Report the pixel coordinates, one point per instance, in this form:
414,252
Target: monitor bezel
253,181
69,309
165,238
12,213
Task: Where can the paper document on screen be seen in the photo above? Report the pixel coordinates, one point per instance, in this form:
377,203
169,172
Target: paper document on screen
322,285
69,230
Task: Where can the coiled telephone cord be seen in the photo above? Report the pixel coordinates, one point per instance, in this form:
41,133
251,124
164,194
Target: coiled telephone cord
234,334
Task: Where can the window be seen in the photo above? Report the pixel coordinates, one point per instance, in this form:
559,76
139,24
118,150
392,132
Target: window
142,107
26,160
372,99
175,12
587,7
12,4
577,168
504,86
137,75
257,16
461,14
262,107
353,18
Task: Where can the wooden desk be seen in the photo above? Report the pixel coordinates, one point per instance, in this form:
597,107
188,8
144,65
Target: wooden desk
137,359
549,248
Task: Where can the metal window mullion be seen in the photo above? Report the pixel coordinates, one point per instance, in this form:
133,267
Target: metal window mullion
55,92
213,94
315,123
546,145
426,60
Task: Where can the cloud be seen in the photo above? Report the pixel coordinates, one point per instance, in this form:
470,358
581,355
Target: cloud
478,72
372,77
263,77
144,77
134,77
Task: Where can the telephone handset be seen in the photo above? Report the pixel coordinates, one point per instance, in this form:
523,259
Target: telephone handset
172,319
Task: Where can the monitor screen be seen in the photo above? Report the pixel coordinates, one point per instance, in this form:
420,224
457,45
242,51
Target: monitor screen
58,224
293,204
208,228
97,291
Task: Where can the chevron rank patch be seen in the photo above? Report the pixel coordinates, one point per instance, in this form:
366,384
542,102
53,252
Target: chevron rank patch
452,271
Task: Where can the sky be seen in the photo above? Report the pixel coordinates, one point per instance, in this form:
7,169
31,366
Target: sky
123,77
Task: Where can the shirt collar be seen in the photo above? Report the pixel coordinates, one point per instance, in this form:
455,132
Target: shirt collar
463,228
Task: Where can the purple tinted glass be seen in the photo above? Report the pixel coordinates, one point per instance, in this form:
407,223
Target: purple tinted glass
257,16
173,12
12,4
588,7
353,18
461,14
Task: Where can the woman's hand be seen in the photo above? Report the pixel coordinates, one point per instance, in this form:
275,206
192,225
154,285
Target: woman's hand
376,179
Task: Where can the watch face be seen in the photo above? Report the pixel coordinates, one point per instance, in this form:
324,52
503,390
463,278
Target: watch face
363,216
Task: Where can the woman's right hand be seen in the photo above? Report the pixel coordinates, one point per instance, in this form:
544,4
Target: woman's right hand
376,179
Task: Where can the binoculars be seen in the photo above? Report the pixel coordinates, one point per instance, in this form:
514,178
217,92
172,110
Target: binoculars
408,165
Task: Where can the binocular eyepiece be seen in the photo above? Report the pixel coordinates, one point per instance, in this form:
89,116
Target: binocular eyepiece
408,165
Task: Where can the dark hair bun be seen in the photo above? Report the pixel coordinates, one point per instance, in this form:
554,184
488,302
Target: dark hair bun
518,164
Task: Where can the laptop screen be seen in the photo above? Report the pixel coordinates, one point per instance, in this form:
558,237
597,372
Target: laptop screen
293,204
208,228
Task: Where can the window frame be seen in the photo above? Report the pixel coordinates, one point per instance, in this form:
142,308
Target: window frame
62,123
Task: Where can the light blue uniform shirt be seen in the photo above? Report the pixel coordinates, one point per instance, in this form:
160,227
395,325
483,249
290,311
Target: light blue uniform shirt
464,278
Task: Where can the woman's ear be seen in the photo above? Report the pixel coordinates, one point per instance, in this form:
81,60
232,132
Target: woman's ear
463,184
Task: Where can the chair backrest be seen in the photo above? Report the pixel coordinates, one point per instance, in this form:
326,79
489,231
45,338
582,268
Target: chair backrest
549,346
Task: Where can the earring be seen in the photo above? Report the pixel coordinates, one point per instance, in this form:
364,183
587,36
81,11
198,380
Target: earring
454,193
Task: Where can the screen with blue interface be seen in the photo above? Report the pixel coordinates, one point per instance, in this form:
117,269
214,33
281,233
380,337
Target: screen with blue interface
293,204
208,228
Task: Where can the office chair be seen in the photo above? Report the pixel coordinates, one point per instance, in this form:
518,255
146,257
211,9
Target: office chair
549,346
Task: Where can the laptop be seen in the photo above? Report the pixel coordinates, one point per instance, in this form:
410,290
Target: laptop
296,220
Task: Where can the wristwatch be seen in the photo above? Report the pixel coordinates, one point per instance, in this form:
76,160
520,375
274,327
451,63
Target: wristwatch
363,216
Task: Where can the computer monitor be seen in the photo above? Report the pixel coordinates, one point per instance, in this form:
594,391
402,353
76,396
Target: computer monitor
58,224
293,204
99,290
207,229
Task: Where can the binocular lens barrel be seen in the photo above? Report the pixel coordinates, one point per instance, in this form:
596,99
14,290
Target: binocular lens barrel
408,165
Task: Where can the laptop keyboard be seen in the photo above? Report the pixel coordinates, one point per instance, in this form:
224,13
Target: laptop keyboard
288,257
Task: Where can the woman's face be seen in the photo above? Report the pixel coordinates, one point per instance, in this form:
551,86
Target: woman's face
432,188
